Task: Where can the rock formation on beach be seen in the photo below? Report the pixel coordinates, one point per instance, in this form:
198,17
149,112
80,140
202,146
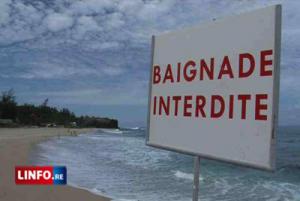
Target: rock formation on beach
96,122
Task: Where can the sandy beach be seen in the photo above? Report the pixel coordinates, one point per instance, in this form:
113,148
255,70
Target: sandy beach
15,146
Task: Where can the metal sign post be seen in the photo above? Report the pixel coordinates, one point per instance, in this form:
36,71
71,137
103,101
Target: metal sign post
196,177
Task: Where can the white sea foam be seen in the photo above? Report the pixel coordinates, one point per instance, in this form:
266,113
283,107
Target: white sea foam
282,189
113,131
122,167
184,175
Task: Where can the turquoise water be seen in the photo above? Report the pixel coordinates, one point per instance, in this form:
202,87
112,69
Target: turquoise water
117,163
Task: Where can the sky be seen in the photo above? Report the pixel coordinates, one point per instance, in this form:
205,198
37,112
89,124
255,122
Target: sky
93,56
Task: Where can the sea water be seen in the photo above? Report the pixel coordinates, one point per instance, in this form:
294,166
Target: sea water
117,163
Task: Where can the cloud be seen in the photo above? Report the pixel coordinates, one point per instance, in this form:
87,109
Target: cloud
4,11
154,9
79,93
86,24
90,95
90,7
114,71
57,22
82,44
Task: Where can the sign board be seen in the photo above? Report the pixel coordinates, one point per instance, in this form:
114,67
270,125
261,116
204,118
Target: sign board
214,89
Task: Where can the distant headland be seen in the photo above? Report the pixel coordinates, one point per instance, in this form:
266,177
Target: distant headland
29,115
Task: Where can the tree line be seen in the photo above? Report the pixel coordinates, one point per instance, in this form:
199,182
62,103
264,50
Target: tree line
44,115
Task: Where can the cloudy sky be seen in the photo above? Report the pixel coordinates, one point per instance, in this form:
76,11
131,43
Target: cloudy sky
93,56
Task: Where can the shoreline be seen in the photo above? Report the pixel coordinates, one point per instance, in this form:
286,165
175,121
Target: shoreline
15,147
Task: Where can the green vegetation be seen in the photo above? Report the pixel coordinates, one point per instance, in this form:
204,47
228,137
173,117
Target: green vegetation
14,115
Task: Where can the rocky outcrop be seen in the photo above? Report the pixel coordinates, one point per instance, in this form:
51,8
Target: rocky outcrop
96,122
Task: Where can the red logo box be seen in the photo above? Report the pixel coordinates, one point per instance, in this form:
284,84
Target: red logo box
40,175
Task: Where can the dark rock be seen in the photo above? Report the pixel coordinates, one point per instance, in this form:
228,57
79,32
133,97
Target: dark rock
96,122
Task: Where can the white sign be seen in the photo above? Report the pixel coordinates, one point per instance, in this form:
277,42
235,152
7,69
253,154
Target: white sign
214,89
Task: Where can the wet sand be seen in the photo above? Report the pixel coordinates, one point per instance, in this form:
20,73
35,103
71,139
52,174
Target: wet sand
15,146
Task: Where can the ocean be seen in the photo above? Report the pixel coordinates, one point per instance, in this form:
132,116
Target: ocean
118,164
